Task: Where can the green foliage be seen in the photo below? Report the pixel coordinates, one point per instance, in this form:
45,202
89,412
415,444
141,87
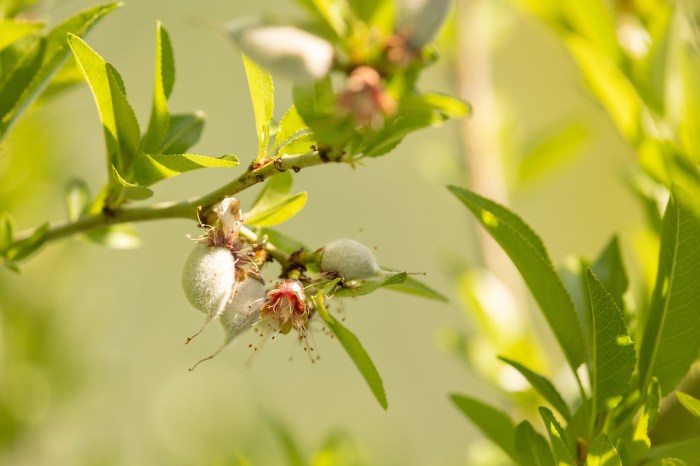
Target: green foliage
262,94
603,453
557,437
275,203
531,447
690,403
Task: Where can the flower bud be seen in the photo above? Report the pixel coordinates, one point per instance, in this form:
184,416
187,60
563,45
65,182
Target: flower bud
244,307
208,278
421,20
285,50
350,259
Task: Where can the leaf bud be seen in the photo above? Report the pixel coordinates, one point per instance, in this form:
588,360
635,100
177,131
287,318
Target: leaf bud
350,259
285,50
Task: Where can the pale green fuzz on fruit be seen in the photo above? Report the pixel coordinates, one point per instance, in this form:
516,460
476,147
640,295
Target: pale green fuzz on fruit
350,259
208,278
243,308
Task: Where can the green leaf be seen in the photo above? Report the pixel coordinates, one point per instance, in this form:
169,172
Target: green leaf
641,442
603,453
493,423
183,133
127,190
531,447
281,241
292,451
417,288
667,462
121,130
670,343
159,123
151,168
328,13
77,199
290,125
685,450
25,248
610,270
262,93
121,236
358,355
528,254
12,30
316,103
595,21
612,354
690,403
41,61
557,436
370,285
300,144
448,106
543,386
278,213
690,124
276,189
6,231
652,74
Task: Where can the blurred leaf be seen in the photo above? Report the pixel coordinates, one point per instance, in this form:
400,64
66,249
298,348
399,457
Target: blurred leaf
612,354
670,342
690,124
580,423
151,168
543,386
12,30
493,423
552,151
609,84
28,246
263,97
557,436
121,236
68,76
292,451
531,447
15,7
417,288
641,442
121,130
594,20
316,104
357,353
183,133
328,13
652,74
685,450
6,231
159,123
667,462
40,62
603,453
128,190
690,403
281,241
77,198
290,125
528,254
370,285
610,270
450,107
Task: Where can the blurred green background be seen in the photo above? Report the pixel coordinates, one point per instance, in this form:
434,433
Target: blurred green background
93,366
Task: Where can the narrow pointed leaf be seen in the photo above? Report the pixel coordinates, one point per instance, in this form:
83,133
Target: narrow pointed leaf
613,354
6,231
77,199
28,246
531,447
151,168
119,123
159,123
290,125
670,343
183,133
639,447
610,270
603,453
276,189
543,386
262,94
128,190
281,241
12,30
417,288
370,285
359,356
46,57
557,437
667,462
493,423
529,255
685,450
690,403
277,213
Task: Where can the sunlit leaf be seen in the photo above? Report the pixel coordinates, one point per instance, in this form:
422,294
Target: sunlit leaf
77,198
290,124
151,168
128,190
263,97
612,354
639,447
603,453
159,123
557,437
12,30
670,343
277,213
531,447
528,254
543,386
493,423
690,403
690,123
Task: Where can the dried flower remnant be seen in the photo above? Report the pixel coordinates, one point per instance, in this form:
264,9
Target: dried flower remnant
365,98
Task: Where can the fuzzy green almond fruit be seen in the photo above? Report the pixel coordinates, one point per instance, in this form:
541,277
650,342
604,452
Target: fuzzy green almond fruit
243,308
208,278
285,50
350,259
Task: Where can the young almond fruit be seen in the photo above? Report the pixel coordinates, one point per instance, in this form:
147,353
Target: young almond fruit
244,307
350,259
208,278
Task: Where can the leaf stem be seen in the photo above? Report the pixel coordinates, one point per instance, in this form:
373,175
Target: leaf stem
186,209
